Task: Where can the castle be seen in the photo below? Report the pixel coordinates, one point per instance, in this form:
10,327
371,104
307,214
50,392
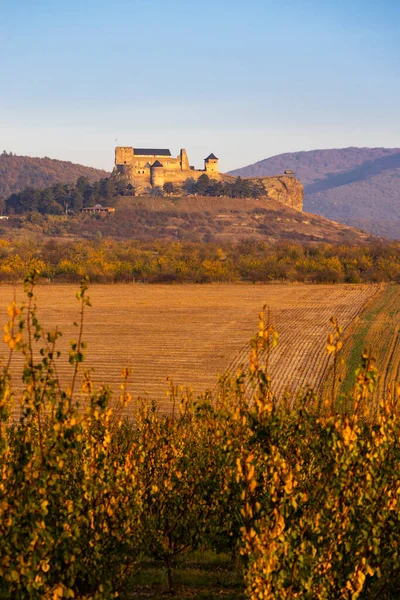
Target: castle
144,167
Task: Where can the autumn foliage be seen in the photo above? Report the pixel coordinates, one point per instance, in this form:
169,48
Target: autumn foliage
110,261
307,495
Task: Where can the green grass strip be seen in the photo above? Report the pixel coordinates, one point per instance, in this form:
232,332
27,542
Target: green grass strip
359,336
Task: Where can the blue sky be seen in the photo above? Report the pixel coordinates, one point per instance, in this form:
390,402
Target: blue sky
244,80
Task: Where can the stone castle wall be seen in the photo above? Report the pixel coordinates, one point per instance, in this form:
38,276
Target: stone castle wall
144,180
140,172
212,168
123,155
157,177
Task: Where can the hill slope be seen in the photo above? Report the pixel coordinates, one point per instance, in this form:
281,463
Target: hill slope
197,218
19,172
356,186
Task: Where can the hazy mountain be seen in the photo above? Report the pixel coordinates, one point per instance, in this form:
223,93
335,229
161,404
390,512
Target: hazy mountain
356,186
19,172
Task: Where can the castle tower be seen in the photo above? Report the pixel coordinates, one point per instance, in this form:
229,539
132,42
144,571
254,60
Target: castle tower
184,160
211,164
123,155
123,162
157,174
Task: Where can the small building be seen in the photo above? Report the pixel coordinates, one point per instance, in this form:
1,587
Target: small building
289,173
98,209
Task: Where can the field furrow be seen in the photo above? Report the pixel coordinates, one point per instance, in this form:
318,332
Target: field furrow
193,333
300,360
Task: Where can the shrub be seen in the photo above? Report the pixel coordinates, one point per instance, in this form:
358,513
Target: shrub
67,529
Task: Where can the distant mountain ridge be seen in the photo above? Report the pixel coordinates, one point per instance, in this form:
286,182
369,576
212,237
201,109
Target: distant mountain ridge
19,172
356,186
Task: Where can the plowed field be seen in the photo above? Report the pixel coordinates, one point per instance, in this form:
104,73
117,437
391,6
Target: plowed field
193,333
377,331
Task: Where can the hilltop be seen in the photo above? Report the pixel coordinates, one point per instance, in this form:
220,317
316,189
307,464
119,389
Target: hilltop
24,173
19,172
356,186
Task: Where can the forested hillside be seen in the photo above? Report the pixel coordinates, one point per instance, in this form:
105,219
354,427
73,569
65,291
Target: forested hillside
19,172
356,186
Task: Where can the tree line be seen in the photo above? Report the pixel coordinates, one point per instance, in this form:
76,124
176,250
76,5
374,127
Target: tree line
66,198
178,262
239,188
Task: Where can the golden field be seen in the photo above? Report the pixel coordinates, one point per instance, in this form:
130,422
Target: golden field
193,333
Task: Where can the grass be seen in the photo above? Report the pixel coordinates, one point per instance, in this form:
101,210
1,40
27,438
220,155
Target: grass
200,575
377,321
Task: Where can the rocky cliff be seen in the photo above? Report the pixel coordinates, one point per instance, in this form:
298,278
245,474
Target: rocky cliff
284,189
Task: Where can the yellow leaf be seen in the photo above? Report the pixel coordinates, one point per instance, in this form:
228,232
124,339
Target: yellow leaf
58,592
45,567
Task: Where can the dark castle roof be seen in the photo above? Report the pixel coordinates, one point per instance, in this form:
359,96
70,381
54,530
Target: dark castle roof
151,152
157,164
211,157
